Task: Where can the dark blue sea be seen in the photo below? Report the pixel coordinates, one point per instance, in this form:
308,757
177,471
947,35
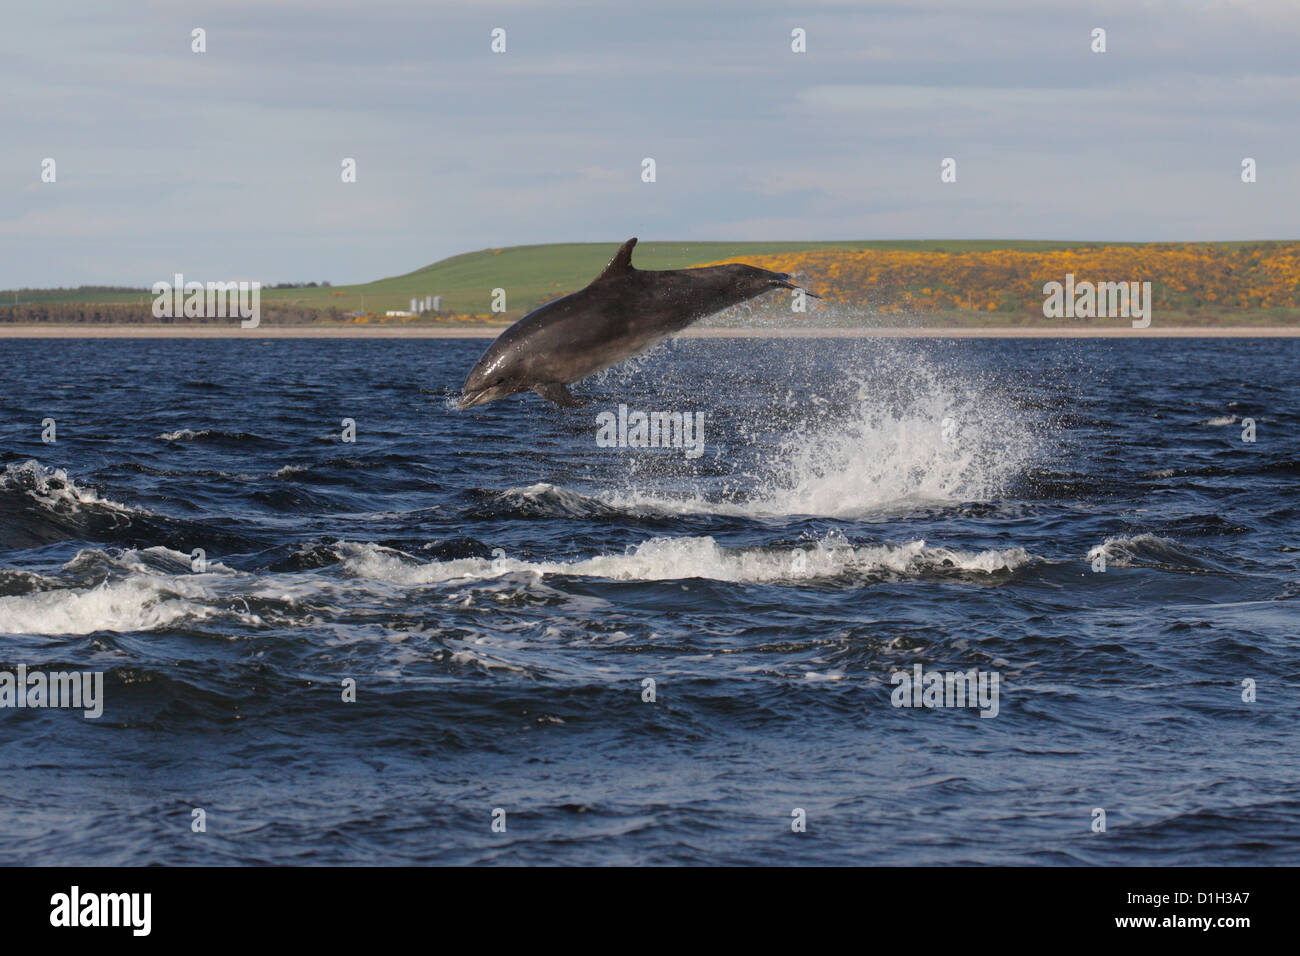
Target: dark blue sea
638,656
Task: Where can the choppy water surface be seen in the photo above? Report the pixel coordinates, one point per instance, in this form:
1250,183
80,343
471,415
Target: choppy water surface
499,587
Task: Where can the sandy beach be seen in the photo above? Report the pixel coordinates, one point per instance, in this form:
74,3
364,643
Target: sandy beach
489,332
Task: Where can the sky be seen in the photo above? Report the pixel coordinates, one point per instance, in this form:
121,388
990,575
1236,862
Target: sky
227,164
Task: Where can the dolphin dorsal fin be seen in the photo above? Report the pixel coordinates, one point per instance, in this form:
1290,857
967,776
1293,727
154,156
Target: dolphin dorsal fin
621,264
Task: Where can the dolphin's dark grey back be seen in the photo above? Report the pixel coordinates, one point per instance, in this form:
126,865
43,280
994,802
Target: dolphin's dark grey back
620,313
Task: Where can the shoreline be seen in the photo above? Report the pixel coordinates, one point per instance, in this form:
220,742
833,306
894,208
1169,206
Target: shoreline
705,332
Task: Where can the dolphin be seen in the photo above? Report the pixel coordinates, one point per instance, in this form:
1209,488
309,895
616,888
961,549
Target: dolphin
623,312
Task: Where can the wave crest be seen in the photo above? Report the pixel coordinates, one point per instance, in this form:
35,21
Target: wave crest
665,559
1144,551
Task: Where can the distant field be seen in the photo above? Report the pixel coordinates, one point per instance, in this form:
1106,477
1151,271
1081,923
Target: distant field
531,275
926,278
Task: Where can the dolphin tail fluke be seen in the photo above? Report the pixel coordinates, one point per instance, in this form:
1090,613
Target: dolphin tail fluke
559,393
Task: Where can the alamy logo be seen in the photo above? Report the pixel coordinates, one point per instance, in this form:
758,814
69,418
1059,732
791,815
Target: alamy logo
80,690
922,688
75,908
639,429
216,300
1100,300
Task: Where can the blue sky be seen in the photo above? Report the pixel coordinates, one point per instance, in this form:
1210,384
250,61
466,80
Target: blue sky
226,164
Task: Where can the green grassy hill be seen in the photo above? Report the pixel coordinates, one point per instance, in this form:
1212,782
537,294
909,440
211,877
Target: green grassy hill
531,275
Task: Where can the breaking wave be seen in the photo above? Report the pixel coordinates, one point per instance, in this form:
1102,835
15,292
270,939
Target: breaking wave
136,604
53,489
1144,551
663,559
143,590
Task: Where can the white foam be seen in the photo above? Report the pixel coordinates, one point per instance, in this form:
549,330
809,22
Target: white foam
134,604
151,589
662,559
184,434
139,591
53,488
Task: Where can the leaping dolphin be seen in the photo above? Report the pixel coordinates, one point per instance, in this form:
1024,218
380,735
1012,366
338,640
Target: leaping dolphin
623,312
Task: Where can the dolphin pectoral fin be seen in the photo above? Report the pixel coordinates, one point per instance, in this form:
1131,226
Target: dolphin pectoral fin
559,393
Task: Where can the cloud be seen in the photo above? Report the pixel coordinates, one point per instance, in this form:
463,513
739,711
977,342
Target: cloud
228,161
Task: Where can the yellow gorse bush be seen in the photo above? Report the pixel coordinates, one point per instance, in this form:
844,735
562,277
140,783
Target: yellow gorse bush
1182,275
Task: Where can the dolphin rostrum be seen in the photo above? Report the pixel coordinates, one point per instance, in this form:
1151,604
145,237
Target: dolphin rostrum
623,312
